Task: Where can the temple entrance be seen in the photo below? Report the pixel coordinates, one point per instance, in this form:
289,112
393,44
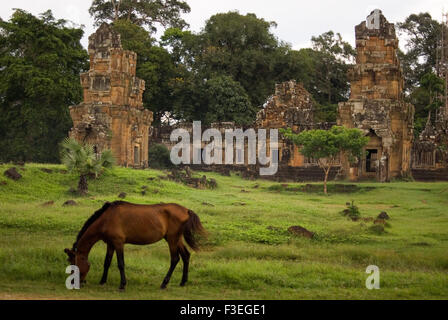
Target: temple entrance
371,160
373,152
136,156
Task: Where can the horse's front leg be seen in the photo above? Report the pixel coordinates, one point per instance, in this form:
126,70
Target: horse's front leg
120,258
107,262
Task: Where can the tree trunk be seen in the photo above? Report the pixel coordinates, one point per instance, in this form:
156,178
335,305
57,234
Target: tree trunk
82,185
327,171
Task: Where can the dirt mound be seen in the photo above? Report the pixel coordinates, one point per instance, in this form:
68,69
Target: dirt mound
383,216
122,195
13,174
300,231
70,203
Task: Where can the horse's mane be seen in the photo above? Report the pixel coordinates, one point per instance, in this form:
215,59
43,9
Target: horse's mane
91,220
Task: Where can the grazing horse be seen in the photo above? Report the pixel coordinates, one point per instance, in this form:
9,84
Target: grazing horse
121,222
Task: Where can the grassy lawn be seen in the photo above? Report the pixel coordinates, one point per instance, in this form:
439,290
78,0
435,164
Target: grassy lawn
249,254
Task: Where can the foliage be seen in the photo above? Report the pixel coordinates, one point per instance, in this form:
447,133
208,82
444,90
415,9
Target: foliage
420,64
333,58
144,13
427,99
327,145
242,51
423,35
219,99
352,211
321,144
159,157
234,48
40,62
82,160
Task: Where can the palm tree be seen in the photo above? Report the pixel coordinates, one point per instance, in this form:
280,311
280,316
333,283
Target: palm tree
83,160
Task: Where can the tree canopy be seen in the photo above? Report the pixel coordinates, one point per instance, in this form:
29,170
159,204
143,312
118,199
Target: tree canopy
244,49
423,84
145,13
40,62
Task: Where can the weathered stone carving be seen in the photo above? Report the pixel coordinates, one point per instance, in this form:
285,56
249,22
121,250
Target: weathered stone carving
112,114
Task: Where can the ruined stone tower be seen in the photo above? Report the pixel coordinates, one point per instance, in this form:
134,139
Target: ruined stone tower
376,103
112,114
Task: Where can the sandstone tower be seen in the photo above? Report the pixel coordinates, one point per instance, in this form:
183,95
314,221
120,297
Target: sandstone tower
376,103
112,114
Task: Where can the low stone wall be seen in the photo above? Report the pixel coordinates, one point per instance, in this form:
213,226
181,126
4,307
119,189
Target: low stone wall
430,175
284,174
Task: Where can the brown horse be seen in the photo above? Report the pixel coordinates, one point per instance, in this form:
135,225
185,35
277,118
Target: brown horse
121,222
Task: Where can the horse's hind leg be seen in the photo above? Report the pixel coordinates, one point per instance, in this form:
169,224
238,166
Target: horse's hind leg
174,252
107,262
186,260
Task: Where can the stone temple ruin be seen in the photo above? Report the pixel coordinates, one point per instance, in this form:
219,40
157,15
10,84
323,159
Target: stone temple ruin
292,107
376,103
112,114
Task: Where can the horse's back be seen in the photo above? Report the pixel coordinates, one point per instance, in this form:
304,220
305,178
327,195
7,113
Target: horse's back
144,224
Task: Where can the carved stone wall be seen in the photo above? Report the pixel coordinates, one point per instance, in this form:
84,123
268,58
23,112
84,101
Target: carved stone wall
112,114
376,105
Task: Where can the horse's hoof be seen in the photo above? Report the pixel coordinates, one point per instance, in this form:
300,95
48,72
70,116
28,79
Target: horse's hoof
121,289
163,287
102,283
182,284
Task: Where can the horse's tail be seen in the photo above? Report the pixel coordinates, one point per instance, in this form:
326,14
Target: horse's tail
192,228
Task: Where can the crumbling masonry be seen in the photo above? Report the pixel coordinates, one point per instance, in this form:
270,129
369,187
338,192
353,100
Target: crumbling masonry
112,114
376,104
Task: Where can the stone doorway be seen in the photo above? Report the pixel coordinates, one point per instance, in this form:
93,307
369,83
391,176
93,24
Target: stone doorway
136,156
372,154
372,160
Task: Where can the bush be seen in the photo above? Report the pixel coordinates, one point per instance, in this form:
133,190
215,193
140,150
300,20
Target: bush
159,157
352,211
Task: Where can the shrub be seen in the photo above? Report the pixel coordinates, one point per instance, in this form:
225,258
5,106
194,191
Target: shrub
159,157
352,211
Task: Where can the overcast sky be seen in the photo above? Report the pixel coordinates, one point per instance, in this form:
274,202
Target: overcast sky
297,20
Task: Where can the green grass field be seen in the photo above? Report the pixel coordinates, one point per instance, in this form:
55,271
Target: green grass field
249,253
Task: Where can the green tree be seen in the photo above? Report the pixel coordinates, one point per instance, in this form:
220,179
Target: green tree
327,145
159,157
145,13
228,101
238,46
219,99
40,62
427,99
332,59
243,48
82,160
435,87
423,35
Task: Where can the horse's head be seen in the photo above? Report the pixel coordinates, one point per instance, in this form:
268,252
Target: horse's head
79,260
